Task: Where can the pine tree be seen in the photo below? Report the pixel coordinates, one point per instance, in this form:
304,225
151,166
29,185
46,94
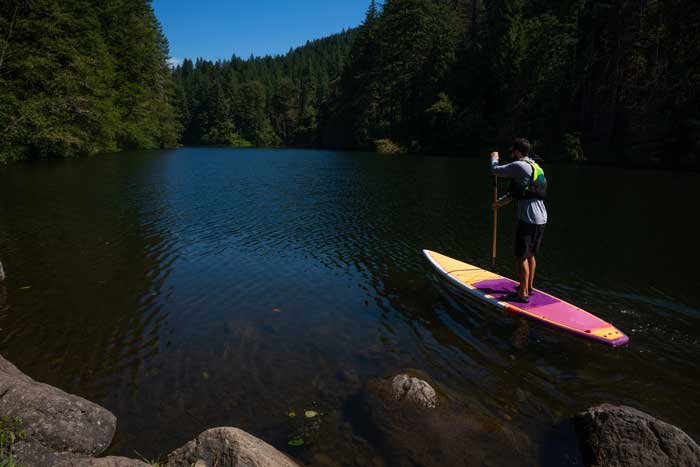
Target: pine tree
64,79
270,100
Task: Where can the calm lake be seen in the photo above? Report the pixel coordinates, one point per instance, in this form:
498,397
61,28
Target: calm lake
195,288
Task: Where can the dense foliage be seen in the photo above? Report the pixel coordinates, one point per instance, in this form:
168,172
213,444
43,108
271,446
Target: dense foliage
607,80
262,101
604,80
81,77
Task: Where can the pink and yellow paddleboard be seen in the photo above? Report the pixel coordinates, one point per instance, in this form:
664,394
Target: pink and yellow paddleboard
491,288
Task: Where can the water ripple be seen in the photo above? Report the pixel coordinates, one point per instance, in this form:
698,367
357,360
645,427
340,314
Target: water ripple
205,287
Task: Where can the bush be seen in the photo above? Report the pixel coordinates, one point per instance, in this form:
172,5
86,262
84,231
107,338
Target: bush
386,146
10,432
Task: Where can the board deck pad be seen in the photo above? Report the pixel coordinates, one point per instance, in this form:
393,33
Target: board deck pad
492,288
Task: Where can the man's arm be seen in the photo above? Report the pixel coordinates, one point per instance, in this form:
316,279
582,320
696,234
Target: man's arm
505,171
501,171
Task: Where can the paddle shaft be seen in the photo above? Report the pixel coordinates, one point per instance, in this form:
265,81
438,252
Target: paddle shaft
495,220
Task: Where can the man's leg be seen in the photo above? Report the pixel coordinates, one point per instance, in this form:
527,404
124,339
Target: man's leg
524,270
532,265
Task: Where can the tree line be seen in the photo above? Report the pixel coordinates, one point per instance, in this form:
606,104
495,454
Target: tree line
81,77
604,80
610,81
261,101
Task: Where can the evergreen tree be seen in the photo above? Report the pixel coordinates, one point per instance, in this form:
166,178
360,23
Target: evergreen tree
397,69
267,100
583,78
80,77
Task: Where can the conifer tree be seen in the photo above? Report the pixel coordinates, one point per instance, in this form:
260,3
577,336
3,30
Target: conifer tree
81,77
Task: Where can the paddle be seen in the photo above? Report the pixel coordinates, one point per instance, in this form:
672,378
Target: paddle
495,220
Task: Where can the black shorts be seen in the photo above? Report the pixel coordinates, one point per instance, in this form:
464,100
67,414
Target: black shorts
528,239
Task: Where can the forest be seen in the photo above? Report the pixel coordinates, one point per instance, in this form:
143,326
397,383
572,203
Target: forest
261,101
83,77
604,81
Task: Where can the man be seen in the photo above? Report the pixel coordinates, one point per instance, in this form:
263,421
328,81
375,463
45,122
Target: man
528,188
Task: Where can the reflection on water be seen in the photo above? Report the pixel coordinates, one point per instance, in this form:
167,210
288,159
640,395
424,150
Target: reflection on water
202,287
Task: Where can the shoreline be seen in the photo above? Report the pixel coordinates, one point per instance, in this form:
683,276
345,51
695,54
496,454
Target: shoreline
51,427
650,166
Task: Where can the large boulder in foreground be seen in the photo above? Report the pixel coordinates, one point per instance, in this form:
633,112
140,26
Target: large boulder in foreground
613,436
415,425
58,425
228,447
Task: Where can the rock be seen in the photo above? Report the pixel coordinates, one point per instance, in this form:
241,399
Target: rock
228,447
411,432
34,454
111,461
11,370
612,436
2,273
413,390
58,426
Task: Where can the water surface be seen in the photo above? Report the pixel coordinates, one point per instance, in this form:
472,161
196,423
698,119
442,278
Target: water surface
196,288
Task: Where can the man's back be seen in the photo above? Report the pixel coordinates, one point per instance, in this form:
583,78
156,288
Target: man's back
532,211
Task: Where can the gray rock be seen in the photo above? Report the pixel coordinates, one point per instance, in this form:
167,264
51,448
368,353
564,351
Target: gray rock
612,436
228,447
58,425
10,369
411,433
33,454
413,390
111,461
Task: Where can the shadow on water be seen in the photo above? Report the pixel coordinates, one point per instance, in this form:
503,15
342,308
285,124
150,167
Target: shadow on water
204,287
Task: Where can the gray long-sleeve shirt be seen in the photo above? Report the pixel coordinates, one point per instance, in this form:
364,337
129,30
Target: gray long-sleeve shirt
531,211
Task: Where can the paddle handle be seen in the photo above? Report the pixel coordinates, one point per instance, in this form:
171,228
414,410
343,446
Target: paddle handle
495,220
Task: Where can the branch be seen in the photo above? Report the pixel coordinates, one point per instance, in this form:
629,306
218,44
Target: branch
12,125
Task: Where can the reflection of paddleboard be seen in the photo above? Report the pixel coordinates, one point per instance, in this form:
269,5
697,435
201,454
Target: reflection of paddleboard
491,288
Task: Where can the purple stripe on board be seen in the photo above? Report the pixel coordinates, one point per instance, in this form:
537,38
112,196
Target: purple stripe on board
501,287
544,306
570,316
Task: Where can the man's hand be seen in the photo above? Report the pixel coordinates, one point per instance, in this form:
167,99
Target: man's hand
494,156
503,201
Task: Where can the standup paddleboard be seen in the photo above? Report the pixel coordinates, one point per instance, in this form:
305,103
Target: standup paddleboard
491,288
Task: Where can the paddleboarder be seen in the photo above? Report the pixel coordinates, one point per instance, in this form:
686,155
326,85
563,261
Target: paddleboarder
528,188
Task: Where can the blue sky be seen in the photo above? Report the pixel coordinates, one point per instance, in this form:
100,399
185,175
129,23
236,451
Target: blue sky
216,29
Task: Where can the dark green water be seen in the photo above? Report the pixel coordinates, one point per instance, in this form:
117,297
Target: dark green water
204,287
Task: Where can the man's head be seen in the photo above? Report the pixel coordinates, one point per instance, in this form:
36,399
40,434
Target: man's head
520,148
